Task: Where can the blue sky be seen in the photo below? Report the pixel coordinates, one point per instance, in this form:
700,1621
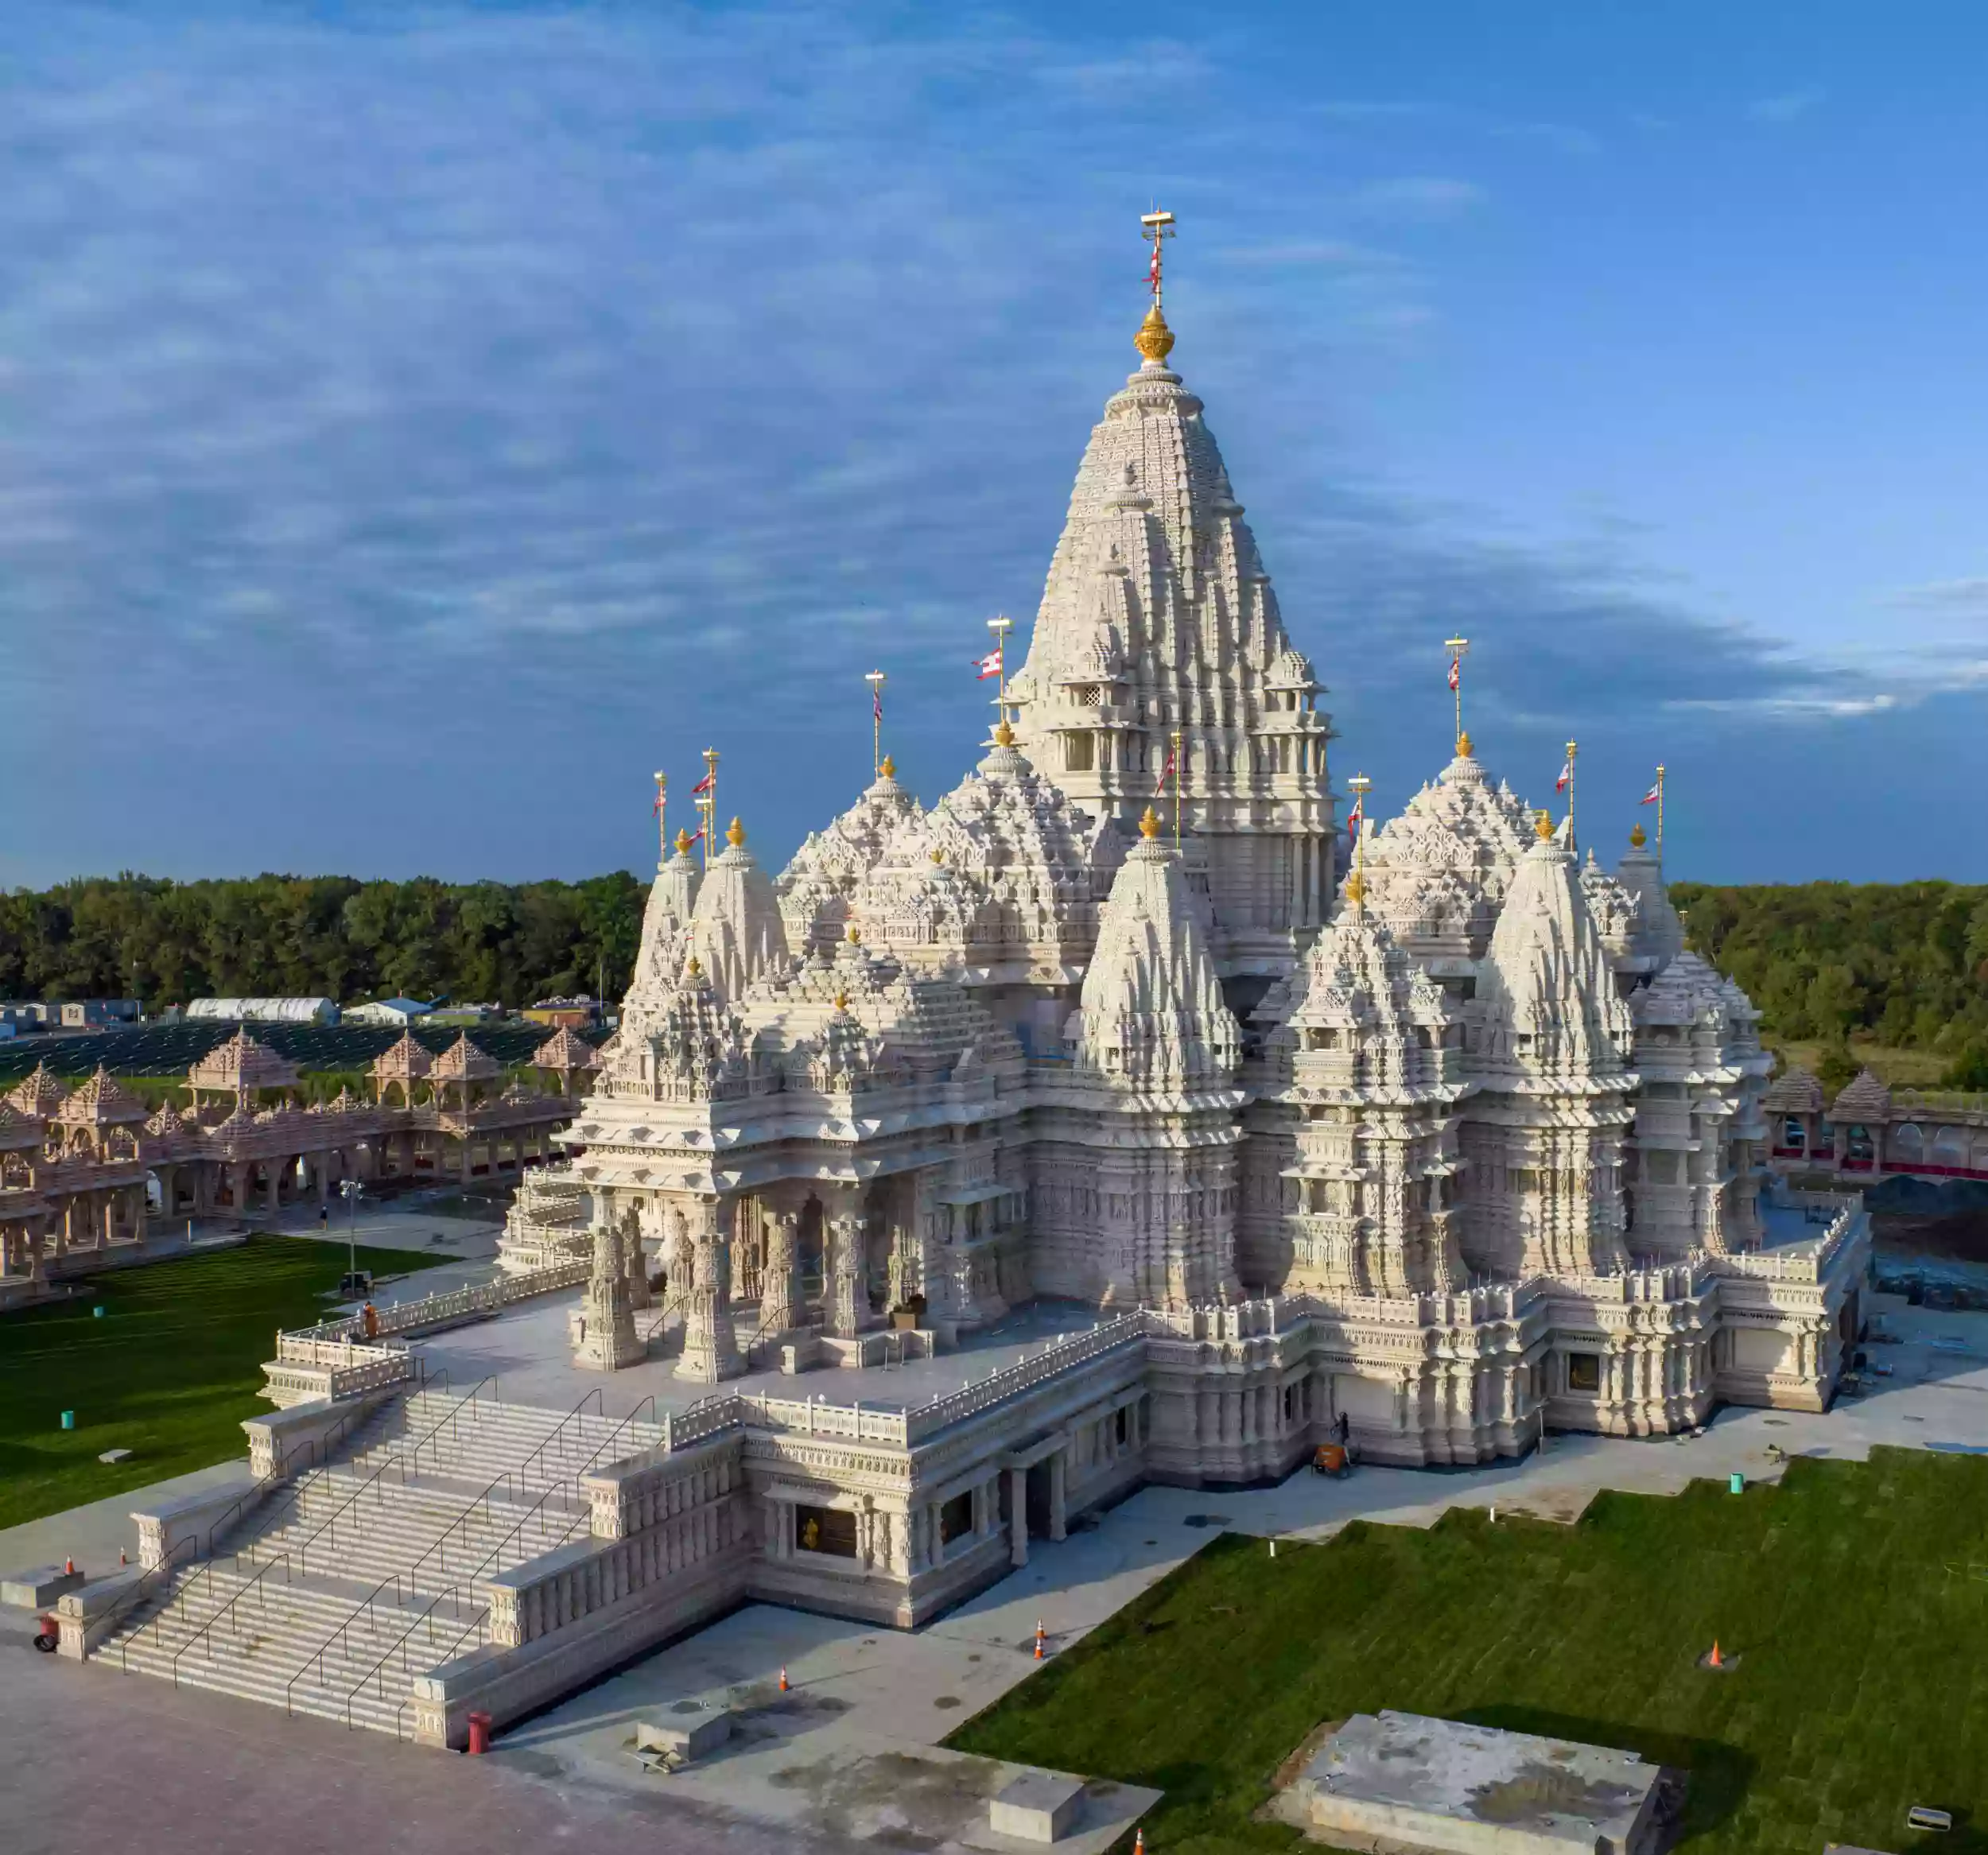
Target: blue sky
418,423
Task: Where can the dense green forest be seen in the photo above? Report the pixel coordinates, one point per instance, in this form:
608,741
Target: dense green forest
166,943
1903,964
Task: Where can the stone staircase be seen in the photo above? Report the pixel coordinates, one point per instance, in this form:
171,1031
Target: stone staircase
359,1575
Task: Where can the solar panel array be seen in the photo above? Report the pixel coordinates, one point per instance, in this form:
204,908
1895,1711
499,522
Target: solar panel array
172,1050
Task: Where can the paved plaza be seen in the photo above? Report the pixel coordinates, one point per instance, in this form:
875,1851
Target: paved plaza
848,1752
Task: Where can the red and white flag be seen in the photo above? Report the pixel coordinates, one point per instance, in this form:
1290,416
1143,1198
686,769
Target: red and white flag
989,666
1456,671
876,701
1653,795
1152,270
1167,771
657,808
1565,778
696,836
1355,819
705,784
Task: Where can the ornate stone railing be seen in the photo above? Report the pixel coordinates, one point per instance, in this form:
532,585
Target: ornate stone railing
1793,1264
1052,1362
405,1316
816,1417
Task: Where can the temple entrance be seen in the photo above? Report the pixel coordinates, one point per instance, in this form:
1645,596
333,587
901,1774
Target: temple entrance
1039,1499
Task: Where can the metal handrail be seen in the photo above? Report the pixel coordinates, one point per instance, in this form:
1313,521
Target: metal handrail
366,1603
496,1552
283,1559
293,1494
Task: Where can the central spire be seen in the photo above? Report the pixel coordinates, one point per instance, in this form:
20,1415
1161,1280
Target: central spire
1159,672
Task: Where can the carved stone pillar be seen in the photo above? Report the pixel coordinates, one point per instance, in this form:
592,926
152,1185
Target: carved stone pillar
781,1307
847,1300
635,1262
608,1340
710,1346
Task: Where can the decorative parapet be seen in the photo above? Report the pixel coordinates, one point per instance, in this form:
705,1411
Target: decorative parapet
1051,1362
630,1496
452,1305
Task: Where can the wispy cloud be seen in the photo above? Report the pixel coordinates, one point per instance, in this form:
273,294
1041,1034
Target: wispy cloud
1415,197
1786,106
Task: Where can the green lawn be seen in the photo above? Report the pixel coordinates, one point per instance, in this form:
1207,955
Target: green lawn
169,1372
1856,1596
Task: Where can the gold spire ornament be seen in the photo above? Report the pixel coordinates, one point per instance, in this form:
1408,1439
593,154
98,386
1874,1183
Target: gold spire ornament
735,834
1542,825
1155,339
1149,825
684,841
1003,734
695,969
1636,839
887,767
842,1001
1465,747
855,934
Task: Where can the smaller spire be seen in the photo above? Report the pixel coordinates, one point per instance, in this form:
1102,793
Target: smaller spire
694,969
1543,825
1003,734
734,835
1465,746
1149,825
887,767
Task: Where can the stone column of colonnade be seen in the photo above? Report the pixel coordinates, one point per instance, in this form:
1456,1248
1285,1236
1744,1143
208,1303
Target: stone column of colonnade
710,1345
848,1289
782,1305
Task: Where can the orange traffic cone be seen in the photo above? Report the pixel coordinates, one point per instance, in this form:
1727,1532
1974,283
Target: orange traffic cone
122,1559
785,1684
68,1567
1038,1639
1139,1842
1714,1660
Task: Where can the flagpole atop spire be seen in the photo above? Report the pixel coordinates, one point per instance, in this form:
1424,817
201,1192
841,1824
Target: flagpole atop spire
1459,648
1155,339
875,679
1001,625
663,821
707,796
1359,786
1572,750
1660,817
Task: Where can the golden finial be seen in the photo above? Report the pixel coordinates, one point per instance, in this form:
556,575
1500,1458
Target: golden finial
1149,825
939,853
1543,825
842,1001
1356,888
735,836
1155,339
1636,839
1003,734
1464,744
856,934
683,843
695,969
889,768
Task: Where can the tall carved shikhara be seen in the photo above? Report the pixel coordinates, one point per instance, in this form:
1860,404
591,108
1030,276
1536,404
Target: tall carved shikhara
1037,1041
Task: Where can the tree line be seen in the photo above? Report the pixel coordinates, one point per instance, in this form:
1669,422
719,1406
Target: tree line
1903,963
166,943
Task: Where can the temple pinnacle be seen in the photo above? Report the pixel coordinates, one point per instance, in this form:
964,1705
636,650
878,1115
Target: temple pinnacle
734,835
1636,839
1155,339
684,841
1149,825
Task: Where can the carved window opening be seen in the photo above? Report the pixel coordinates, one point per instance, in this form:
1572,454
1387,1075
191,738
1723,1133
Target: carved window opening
956,1518
831,1530
1584,1371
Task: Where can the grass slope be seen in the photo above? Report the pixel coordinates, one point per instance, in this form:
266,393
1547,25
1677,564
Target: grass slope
168,1373
1856,1595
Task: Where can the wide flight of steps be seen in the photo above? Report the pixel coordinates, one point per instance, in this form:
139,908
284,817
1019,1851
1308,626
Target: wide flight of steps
296,1617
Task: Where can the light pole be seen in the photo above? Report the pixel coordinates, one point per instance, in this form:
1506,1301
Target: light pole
352,1191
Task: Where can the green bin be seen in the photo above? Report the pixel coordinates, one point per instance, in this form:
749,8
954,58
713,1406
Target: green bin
68,1420
1737,1483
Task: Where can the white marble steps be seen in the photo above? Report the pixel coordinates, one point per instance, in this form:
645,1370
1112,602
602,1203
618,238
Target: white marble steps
347,1529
